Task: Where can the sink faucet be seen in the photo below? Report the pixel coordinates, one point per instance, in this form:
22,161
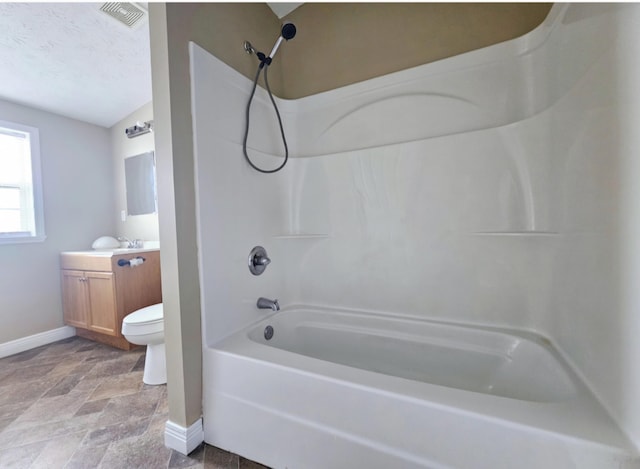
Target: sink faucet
135,244
266,303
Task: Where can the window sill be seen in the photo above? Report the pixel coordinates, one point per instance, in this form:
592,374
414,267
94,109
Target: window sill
21,239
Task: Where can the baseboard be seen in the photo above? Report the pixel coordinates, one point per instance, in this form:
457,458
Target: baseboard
36,340
183,440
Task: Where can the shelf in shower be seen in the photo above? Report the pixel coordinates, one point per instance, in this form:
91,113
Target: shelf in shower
522,233
301,236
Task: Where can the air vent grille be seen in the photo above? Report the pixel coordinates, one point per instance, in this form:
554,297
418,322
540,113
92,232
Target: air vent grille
127,13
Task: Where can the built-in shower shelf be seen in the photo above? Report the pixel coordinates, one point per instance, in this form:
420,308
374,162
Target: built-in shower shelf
523,233
301,236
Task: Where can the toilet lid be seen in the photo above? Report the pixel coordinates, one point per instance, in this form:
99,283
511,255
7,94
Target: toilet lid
149,314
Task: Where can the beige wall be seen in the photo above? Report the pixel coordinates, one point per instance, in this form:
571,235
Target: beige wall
77,180
143,227
221,29
336,44
341,43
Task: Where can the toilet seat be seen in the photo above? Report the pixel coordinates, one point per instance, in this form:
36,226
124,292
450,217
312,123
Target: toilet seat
145,321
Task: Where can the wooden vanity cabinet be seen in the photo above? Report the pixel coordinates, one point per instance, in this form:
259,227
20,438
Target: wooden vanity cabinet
97,293
89,300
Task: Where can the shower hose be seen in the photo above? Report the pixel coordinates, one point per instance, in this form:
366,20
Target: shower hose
264,67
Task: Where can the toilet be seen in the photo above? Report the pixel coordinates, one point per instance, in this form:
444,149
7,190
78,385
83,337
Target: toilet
146,327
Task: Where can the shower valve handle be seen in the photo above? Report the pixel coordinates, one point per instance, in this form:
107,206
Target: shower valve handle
261,260
258,260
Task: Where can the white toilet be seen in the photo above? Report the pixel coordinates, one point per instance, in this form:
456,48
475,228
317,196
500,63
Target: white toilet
146,327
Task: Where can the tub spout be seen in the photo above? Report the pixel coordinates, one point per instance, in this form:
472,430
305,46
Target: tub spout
266,303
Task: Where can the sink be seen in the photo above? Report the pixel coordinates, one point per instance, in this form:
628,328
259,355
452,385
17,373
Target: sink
112,252
120,251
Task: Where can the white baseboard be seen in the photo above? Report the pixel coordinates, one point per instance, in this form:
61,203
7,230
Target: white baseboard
183,440
36,340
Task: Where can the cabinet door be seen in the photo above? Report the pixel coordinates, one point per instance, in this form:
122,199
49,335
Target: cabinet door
74,298
102,301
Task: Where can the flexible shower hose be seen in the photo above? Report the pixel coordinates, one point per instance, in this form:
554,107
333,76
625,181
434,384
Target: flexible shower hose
246,129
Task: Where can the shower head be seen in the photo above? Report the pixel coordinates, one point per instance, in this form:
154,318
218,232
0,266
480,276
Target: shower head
287,32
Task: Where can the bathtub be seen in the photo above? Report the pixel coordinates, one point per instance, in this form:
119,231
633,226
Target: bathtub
312,387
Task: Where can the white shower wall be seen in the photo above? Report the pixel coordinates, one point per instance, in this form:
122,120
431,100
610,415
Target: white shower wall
594,312
485,188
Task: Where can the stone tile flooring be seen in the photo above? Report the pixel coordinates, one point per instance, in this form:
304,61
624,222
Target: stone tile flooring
77,404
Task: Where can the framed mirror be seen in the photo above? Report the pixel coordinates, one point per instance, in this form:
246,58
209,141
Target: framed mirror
140,176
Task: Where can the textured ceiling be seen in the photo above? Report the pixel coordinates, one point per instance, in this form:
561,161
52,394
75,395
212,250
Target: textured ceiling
74,60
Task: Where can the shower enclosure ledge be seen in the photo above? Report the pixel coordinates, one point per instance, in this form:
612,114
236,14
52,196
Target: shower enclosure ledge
523,233
301,236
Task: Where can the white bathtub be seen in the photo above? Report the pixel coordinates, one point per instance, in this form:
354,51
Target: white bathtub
336,389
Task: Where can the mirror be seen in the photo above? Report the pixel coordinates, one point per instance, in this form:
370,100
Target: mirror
140,178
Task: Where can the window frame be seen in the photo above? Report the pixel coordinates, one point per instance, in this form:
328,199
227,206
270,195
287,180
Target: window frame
17,237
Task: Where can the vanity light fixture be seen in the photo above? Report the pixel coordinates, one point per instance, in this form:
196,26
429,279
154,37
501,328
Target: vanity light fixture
140,128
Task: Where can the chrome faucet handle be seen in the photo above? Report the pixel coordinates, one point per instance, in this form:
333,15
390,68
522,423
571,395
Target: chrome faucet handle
261,260
258,260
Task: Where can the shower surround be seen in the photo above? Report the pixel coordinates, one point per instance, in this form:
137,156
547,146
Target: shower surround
494,189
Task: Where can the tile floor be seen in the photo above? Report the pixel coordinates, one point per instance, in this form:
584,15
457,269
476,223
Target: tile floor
76,404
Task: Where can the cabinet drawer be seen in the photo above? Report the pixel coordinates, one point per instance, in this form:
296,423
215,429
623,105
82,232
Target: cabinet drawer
84,262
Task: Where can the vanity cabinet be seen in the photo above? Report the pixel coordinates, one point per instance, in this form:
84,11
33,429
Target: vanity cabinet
97,292
89,300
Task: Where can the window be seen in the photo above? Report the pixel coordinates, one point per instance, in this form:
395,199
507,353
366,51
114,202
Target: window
21,214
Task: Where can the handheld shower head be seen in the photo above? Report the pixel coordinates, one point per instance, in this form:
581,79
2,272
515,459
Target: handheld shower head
287,32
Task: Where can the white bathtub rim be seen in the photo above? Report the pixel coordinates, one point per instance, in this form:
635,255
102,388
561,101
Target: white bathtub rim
531,334
453,399
623,451
541,338
607,437
537,336
552,418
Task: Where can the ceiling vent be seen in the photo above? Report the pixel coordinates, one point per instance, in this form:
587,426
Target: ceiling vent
128,14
